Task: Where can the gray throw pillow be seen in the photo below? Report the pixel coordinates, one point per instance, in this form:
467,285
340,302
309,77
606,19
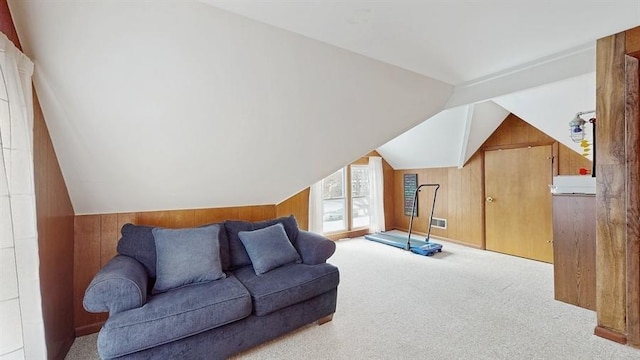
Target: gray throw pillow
237,251
186,256
269,248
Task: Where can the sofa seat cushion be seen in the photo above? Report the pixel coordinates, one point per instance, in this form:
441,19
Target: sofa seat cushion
287,285
174,315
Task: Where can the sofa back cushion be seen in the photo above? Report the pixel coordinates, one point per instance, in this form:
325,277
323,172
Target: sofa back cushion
137,242
237,252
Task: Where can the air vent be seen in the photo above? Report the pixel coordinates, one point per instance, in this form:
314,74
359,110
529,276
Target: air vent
439,223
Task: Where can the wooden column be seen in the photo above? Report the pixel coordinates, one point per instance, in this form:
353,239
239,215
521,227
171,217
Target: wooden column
618,195
632,145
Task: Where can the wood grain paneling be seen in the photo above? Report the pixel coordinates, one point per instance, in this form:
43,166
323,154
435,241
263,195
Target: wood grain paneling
570,162
632,41
610,185
610,100
6,24
617,187
298,206
515,132
257,213
55,220
574,244
389,203
87,262
459,201
632,116
109,237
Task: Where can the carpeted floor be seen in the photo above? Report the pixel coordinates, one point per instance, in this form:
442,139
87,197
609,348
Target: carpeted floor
460,304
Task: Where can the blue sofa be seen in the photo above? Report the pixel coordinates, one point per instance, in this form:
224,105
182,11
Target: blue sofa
212,291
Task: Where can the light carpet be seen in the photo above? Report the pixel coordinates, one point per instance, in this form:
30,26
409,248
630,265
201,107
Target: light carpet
462,303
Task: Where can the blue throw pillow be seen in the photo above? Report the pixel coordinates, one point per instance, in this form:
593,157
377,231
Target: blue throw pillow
186,256
239,256
269,248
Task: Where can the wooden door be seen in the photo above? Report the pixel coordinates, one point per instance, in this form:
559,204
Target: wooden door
518,202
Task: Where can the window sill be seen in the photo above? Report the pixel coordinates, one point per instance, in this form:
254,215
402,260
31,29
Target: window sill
347,234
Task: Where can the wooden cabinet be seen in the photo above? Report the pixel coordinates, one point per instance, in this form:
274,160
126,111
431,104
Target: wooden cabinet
574,249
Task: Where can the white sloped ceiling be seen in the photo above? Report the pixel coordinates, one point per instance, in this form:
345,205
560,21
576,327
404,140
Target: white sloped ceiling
182,105
212,103
434,143
456,41
447,139
487,116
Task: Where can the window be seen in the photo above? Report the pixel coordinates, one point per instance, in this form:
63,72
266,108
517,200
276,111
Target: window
335,194
360,196
334,202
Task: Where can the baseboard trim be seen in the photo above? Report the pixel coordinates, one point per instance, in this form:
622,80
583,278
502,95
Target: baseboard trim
347,234
610,334
475,246
89,329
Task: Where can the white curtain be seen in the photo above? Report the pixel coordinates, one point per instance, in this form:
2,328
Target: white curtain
376,183
316,210
22,327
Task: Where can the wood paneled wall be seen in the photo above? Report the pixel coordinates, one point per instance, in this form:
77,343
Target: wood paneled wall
617,187
298,206
570,162
515,132
55,240
96,238
6,24
389,195
460,199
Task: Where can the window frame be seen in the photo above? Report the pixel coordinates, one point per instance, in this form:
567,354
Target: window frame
351,197
348,200
344,198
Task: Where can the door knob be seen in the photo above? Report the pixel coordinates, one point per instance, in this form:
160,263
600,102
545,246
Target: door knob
489,199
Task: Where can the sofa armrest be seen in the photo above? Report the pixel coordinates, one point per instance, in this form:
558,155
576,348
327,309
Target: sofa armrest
120,285
314,249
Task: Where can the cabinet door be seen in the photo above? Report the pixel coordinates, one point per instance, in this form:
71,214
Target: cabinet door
574,249
518,202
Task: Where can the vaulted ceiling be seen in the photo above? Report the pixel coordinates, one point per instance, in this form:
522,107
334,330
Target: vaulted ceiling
187,104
